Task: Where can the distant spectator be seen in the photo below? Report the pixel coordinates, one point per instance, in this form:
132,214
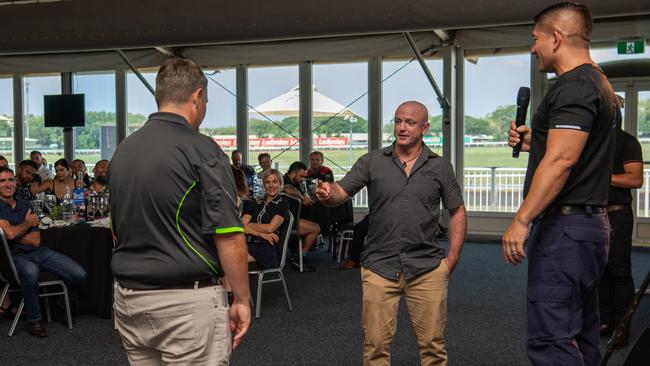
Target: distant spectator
79,167
26,177
316,168
42,171
264,159
100,174
4,162
308,230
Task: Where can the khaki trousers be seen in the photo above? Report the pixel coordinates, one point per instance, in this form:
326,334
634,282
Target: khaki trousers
426,300
174,327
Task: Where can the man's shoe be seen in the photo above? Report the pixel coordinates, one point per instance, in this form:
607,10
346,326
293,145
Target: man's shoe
606,331
623,340
36,329
349,264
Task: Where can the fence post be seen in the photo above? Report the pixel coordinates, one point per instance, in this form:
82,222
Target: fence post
493,188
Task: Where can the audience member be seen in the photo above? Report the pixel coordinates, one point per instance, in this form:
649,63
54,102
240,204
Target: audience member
79,168
243,193
61,181
236,158
262,223
307,229
316,168
4,162
265,163
20,226
100,177
27,175
42,171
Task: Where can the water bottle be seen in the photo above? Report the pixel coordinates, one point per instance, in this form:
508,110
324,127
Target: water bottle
79,199
67,209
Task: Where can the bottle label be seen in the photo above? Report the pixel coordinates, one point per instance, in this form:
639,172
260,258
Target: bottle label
78,197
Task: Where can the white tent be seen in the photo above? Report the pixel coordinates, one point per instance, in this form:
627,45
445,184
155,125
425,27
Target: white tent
287,105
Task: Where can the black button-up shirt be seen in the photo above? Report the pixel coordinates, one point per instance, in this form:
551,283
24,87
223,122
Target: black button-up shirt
404,210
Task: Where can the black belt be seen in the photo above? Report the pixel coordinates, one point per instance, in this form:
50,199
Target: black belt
612,208
574,210
208,282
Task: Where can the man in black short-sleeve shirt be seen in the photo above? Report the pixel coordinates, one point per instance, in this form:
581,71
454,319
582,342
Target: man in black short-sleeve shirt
565,192
616,288
177,230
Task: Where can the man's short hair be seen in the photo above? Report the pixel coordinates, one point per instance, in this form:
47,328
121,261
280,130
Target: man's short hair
263,155
4,169
235,152
34,152
28,163
316,152
581,24
296,165
177,79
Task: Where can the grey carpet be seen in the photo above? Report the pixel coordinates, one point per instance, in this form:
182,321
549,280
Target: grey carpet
486,326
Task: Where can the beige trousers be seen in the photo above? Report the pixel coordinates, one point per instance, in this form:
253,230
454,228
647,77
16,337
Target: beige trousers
174,327
426,300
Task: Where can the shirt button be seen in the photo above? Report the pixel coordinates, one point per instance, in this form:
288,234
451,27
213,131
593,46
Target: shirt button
396,274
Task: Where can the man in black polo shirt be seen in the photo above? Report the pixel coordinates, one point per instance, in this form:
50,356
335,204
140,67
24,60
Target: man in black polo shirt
177,231
406,184
616,289
571,148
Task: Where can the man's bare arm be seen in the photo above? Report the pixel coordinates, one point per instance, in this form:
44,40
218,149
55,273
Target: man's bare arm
14,232
457,232
632,177
233,255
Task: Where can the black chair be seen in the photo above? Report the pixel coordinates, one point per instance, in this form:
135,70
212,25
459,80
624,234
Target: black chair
295,207
285,233
9,276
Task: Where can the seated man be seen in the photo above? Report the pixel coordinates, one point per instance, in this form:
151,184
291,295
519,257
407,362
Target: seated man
100,173
307,229
41,164
316,168
79,169
20,227
264,159
27,175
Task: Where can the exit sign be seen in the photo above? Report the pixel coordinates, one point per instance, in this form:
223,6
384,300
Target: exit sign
630,47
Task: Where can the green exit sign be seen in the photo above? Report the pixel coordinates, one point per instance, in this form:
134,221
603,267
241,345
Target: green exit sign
630,47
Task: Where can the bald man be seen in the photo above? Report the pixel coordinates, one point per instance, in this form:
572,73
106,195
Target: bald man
406,183
571,147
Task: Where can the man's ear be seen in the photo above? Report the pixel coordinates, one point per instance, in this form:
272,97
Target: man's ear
557,40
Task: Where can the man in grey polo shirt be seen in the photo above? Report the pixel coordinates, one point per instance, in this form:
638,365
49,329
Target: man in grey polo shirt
406,182
177,232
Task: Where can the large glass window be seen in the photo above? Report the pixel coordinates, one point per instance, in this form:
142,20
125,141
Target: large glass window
98,138
340,114
493,179
7,120
643,128
273,94
49,140
140,102
220,121
405,80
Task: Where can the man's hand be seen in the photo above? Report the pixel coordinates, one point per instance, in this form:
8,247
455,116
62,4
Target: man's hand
31,218
307,201
271,238
323,191
513,242
240,320
451,263
515,134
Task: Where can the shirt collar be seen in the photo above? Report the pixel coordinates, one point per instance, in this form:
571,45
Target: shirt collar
170,117
390,150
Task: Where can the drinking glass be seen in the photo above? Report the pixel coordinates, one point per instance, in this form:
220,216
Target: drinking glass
50,202
37,208
102,205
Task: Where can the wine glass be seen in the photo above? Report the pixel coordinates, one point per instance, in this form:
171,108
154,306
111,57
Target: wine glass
102,205
37,208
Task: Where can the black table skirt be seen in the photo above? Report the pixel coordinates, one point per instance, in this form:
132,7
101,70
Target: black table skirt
92,248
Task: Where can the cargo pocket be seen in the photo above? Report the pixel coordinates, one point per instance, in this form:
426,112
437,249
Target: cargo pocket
550,312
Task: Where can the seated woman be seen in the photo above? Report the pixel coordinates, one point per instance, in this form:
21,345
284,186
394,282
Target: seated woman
262,223
62,179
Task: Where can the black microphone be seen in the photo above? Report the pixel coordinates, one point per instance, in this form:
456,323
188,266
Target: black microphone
523,98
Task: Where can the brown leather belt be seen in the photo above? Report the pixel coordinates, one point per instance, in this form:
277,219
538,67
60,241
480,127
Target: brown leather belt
612,208
574,210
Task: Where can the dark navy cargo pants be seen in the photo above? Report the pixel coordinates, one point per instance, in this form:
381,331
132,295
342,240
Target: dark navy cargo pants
567,255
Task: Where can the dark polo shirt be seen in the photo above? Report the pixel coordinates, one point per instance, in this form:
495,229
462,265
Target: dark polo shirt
15,216
172,189
404,210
